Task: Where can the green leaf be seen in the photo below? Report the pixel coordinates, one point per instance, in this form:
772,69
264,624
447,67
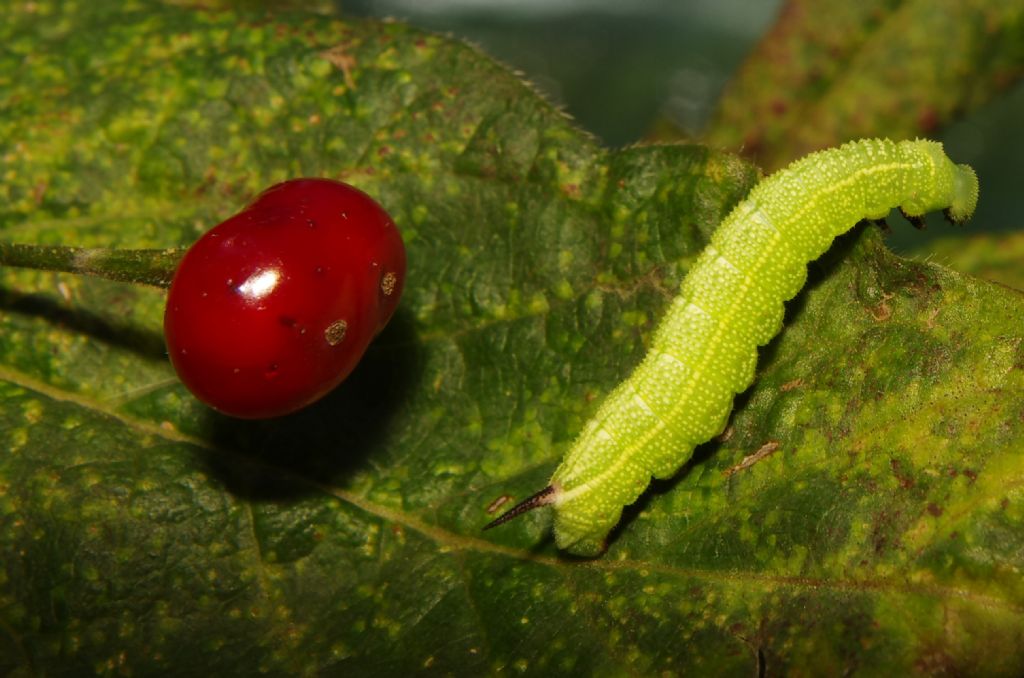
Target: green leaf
828,72
992,256
863,512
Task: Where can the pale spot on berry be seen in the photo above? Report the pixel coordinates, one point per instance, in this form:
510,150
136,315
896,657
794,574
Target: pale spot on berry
388,282
335,332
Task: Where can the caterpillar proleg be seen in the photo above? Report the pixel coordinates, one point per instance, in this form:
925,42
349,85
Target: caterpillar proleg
705,349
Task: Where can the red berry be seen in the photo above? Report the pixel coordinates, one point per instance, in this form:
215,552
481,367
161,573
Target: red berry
273,308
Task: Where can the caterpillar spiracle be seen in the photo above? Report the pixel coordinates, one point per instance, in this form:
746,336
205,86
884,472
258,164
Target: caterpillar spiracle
705,349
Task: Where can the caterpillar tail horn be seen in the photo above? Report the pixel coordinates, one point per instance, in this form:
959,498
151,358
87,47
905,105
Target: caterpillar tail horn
542,498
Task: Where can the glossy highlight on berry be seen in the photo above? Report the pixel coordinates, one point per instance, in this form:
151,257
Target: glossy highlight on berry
275,306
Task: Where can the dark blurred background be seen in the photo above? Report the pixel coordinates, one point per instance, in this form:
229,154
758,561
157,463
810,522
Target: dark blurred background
622,68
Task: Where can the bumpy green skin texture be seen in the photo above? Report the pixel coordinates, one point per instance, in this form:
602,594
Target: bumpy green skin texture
731,302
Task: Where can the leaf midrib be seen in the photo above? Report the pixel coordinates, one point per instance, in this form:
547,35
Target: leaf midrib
463,543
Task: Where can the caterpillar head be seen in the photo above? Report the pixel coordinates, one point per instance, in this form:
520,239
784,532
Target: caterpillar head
953,188
965,194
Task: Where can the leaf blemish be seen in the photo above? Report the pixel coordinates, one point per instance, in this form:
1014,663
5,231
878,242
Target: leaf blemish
345,62
498,503
905,481
883,311
790,385
764,451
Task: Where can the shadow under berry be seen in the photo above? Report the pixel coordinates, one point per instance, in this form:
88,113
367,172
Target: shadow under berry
287,457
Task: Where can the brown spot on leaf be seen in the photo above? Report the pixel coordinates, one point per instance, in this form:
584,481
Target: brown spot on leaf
905,481
751,459
340,57
883,531
498,503
39,192
790,385
883,311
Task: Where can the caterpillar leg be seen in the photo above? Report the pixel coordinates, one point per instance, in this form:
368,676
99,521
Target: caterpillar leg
915,221
951,218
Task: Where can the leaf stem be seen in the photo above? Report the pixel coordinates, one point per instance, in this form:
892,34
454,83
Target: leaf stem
145,267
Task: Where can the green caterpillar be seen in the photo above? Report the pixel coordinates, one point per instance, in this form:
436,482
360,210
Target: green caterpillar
705,350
